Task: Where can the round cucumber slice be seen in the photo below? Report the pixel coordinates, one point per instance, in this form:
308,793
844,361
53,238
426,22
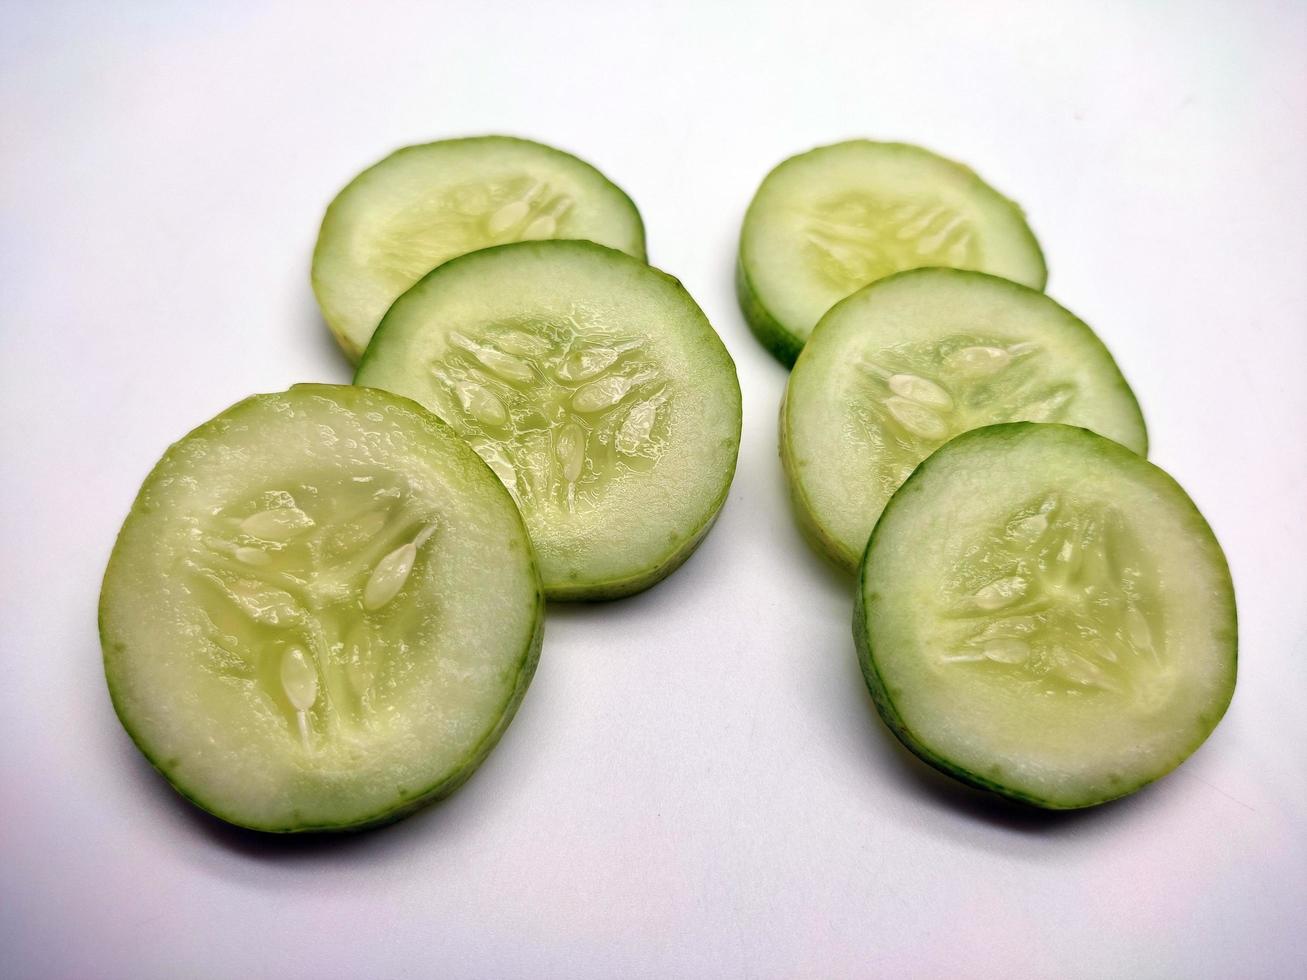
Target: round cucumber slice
594,387
829,221
321,612
1045,614
901,366
423,205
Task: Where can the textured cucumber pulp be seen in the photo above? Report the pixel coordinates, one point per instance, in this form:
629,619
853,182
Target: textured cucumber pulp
592,385
322,611
900,367
827,222
1045,614
425,204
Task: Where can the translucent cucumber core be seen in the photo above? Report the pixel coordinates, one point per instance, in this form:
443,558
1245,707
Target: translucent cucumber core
915,397
298,584
557,408
1059,601
856,238
438,226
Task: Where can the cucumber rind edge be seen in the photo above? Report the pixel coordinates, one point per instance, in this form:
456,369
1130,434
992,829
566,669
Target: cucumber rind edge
810,528
450,780
879,691
780,342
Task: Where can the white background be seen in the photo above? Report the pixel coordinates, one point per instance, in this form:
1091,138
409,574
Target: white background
696,784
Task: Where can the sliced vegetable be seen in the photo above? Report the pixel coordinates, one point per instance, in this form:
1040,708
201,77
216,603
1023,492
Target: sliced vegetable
593,386
321,612
1045,614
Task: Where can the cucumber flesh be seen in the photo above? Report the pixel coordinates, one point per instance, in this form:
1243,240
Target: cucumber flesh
425,204
1044,614
827,222
321,612
898,368
594,387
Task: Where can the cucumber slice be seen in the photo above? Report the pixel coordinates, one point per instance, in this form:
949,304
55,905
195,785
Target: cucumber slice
321,612
829,221
593,386
1044,614
899,367
423,205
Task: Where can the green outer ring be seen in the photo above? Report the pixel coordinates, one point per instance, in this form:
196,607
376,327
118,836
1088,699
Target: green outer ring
679,553
818,536
447,782
862,615
632,584
783,342
352,351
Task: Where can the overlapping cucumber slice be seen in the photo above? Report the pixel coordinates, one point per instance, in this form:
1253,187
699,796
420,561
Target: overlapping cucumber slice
1045,614
898,368
594,387
425,204
827,222
321,612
